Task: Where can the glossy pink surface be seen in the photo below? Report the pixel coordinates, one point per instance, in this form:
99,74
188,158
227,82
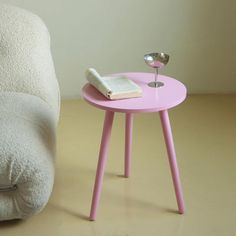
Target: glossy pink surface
153,99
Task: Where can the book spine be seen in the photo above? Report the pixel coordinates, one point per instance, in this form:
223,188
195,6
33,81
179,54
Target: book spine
96,80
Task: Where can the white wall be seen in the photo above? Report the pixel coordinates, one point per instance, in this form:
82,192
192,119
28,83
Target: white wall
113,36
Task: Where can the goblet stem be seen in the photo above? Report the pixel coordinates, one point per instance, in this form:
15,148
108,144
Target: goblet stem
156,74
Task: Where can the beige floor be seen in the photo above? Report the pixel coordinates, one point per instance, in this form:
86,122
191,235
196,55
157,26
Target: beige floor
204,128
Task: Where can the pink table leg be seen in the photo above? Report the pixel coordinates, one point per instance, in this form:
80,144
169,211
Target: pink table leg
172,159
101,163
128,142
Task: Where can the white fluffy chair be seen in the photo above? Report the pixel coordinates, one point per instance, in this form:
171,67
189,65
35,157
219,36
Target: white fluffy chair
29,112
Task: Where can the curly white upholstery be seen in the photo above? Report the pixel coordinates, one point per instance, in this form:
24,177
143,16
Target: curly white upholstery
26,64
29,111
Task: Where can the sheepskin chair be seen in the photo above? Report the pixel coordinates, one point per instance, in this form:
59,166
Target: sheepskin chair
29,112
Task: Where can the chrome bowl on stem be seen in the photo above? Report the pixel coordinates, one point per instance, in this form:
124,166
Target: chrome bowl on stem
157,61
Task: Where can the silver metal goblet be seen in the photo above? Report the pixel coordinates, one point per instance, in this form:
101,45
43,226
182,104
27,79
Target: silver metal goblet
156,60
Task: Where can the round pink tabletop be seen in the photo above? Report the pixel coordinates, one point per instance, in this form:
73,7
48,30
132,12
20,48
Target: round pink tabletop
154,99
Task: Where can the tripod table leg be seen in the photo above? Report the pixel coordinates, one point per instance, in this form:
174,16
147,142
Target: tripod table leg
101,163
128,142
172,159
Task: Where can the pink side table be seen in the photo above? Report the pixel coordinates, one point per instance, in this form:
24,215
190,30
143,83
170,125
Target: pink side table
153,100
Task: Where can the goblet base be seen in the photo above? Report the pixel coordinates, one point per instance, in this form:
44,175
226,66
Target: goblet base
155,84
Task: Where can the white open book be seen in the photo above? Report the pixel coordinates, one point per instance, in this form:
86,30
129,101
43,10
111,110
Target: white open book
114,87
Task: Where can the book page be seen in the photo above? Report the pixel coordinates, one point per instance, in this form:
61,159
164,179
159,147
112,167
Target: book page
97,81
120,85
